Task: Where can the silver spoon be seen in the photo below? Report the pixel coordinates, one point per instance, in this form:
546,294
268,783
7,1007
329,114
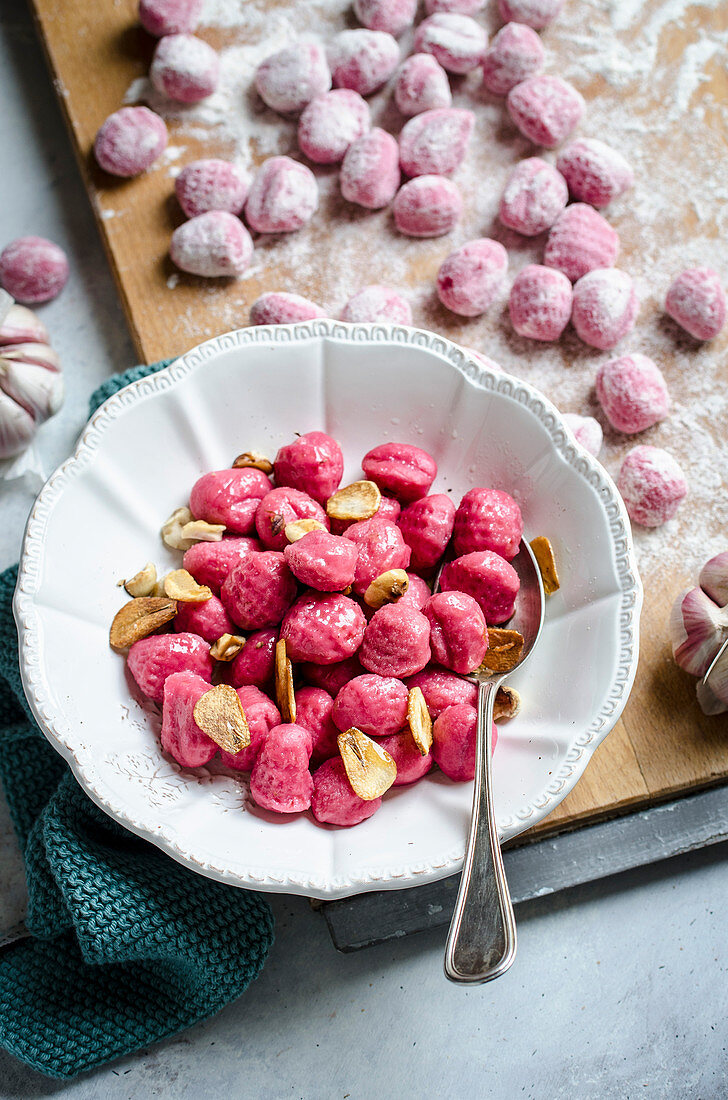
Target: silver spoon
481,943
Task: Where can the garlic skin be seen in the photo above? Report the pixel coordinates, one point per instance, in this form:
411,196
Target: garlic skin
710,703
698,628
37,390
21,326
31,385
17,427
40,354
714,578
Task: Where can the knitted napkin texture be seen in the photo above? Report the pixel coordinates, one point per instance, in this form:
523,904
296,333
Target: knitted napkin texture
127,947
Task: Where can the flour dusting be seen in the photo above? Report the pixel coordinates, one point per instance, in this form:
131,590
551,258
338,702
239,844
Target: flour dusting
650,76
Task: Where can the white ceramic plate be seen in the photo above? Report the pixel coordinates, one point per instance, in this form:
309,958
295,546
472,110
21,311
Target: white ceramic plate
98,519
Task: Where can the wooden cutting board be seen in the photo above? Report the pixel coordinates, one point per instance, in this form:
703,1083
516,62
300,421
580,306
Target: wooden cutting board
644,70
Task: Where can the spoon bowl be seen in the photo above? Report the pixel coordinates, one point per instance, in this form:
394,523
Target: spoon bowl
481,943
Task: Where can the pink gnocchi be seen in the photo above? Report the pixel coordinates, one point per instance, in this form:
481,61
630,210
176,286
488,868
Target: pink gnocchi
313,463
404,471
421,85
546,109
370,170
427,206
443,689
151,660
283,196
488,519
380,547
280,507
455,40
362,60
230,497
290,78
319,654
411,763
330,123
454,741
313,712
208,619
396,642
377,705
426,527
280,779
323,627
488,578
333,801
323,561
458,634
259,591
435,142
210,562
392,16
255,663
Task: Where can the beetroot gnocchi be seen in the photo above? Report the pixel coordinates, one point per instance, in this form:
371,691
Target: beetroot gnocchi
377,705
322,634
229,497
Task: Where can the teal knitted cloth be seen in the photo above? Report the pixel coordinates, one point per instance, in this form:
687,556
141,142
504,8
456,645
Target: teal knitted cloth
127,946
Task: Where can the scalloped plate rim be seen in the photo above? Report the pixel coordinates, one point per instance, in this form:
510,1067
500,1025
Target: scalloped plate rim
579,754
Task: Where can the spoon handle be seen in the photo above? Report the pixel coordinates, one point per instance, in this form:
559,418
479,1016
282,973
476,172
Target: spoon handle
481,943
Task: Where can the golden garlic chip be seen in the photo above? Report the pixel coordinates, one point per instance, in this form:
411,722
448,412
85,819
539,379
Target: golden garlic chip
507,704
360,500
138,618
543,552
199,530
172,529
300,527
181,585
386,588
419,720
143,582
227,647
285,696
219,713
504,650
370,769
253,460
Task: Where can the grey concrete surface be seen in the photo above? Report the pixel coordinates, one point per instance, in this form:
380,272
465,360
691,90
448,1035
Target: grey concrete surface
619,989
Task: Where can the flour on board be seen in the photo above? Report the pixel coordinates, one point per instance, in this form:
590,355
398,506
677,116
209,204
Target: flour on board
642,96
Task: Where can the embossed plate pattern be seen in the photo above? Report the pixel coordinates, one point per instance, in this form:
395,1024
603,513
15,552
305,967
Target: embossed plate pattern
98,517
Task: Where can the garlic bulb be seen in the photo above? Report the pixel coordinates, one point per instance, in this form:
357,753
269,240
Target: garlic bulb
31,385
698,629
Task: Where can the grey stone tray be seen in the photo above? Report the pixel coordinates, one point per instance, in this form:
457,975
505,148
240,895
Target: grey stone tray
540,867
534,869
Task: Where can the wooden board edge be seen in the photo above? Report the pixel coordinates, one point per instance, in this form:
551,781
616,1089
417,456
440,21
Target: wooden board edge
58,84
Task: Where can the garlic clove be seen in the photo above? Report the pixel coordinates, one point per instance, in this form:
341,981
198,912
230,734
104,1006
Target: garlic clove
717,677
714,578
40,354
21,326
6,304
39,391
17,427
708,701
698,628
